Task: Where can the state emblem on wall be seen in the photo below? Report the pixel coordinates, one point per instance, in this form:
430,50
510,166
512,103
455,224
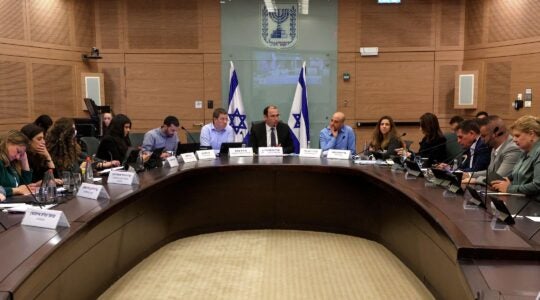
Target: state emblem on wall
279,28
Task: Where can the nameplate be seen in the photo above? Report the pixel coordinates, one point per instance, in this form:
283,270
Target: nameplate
307,152
44,218
121,177
206,154
92,191
188,157
338,154
270,151
241,152
171,161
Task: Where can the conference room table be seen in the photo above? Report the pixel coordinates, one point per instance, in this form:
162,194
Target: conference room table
458,251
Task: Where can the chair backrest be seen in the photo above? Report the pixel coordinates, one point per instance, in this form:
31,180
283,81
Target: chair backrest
91,144
452,147
136,139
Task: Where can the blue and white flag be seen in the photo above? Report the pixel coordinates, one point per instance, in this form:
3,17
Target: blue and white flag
237,114
299,117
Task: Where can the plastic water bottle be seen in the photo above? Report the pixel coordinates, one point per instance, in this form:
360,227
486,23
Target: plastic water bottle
47,190
455,165
89,173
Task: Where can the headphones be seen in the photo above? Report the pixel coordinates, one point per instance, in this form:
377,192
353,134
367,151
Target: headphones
496,132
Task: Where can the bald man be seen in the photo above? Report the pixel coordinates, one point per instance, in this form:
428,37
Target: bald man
338,135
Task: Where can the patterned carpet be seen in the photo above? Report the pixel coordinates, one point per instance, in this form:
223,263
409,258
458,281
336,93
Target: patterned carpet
270,264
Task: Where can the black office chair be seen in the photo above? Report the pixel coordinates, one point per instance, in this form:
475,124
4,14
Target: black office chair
90,144
136,139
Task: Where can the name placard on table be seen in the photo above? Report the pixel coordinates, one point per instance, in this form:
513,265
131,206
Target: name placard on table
120,177
44,218
188,157
308,152
241,152
206,154
270,151
338,154
92,191
171,161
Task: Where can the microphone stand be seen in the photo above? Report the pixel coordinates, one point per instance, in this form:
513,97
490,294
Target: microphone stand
34,197
189,134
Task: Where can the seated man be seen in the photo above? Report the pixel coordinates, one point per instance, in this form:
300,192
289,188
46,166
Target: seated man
338,135
477,153
271,132
504,154
218,132
162,137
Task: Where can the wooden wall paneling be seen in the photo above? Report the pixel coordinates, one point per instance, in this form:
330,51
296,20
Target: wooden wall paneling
12,19
163,24
347,27
513,20
451,24
390,26
525,74
114,82
444,90
346,90
212,84
503,51
474,22
155,90
53,89
498,87
400,88
109,24
14,103
84,24
49,21
210,37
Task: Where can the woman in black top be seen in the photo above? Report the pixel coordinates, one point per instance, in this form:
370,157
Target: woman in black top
38,157
433,145
385,139
115,144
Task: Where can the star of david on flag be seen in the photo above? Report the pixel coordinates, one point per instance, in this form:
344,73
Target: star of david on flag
299,117
236,112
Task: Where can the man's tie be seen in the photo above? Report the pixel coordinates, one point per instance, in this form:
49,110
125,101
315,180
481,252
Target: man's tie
272,137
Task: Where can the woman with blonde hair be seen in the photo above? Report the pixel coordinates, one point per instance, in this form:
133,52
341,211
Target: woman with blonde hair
385,139
525,178
63,147
15,171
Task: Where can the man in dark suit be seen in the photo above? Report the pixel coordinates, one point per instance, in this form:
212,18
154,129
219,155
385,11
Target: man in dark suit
271,132
477,154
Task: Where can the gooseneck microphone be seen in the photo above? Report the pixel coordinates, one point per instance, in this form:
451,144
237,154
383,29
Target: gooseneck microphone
33,196
189,134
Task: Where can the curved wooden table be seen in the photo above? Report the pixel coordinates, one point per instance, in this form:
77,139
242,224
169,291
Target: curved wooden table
453,251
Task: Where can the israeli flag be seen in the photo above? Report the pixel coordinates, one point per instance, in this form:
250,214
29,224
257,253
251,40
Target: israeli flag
299,117
237,114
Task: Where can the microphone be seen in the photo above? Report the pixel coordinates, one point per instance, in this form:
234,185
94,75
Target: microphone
33,196
189,134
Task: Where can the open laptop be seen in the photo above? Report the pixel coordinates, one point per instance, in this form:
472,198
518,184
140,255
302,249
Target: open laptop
187,148
224,150
154,161
504,213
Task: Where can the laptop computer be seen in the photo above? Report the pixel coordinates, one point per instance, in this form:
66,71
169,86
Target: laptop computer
154,161
187,148
504,213
224,150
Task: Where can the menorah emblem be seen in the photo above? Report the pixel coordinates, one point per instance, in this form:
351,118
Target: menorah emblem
279,28
279,17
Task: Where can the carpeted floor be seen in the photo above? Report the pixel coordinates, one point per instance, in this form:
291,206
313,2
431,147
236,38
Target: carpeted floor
270,264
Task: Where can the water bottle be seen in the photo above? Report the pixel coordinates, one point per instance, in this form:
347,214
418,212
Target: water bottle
89,172
455,165
47,190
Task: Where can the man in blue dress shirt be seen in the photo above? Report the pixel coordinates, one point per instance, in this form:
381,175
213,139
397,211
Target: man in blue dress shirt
162,137
338,135
218,132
